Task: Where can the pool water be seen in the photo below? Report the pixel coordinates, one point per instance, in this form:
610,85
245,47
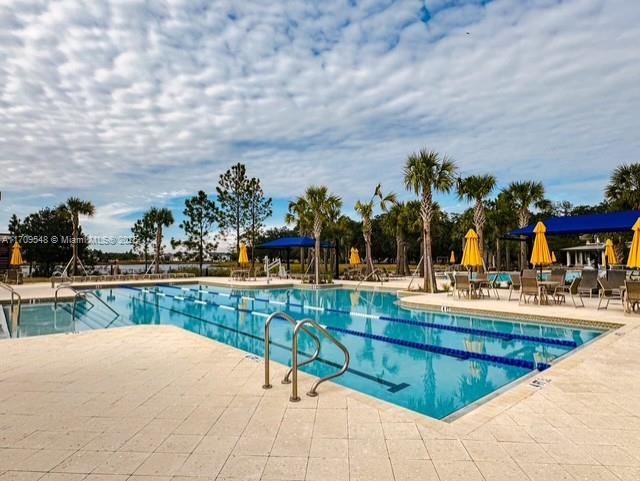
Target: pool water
435,363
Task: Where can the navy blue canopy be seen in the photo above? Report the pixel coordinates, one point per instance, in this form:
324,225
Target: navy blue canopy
585,224
286,242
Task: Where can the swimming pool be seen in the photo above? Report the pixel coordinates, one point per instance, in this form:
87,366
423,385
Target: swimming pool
435,363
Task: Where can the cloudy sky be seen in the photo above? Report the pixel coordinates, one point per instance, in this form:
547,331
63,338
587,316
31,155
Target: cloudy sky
132,103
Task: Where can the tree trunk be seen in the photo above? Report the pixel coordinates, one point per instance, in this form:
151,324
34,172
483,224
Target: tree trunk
317,232
367,245
498,256
158,246
74,248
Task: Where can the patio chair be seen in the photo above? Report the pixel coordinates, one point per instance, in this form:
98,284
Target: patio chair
530,273
558,274
560,293
516,283
452,283
608,291
464,286
483,284
616,277
588,282
529,289
631,295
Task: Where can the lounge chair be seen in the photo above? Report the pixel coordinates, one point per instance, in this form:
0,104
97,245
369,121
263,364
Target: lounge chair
516,283
588,282
560,292
608,291
483,284
616,277
631,295
464,286
529,289
452,283
558,274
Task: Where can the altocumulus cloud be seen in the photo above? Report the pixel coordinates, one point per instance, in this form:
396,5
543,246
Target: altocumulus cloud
127,101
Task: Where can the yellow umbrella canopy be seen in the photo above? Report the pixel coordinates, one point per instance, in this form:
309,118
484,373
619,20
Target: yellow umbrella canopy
540,255
610,253
16,255
243,258
553,257
452,258
634,254
354,258
471,256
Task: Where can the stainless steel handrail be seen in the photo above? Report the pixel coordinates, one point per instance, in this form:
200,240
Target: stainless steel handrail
301,326
15,318
267,342
77,294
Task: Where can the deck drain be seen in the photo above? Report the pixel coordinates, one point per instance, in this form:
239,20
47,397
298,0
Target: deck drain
539,382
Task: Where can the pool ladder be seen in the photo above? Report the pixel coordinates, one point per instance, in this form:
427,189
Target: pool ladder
307,326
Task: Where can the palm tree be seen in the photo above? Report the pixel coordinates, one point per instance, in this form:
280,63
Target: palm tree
366,213
427,172
159,217
322,206
74,208
521,196
477,188
400,221
298,214
623,190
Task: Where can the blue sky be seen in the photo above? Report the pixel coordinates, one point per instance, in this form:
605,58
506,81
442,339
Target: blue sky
134,103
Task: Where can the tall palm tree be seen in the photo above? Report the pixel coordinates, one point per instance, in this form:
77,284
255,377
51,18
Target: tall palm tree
623,190
477,188
426,172
159,217
366,209
298,215
400,221
322,207
74,208
522,196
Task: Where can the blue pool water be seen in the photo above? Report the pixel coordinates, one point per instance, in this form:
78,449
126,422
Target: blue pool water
431,362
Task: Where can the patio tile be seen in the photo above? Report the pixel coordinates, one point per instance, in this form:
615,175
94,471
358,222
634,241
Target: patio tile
591,473
413,470
161,464
179,443
121,462
505,470
326,468
457,471
288,468
546,472
446,450
329,448
406,449
82,462
248,468
370,469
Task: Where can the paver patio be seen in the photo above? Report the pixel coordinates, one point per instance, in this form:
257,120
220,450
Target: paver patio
160,403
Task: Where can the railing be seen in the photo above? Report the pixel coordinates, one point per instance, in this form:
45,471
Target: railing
415,273
300,326
267,343
78,294
16,299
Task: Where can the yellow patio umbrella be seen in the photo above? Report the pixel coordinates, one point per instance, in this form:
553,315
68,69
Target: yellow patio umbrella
610,253
16,255
452,258
540,256
634,254
243,258
354,258
471,256
553,257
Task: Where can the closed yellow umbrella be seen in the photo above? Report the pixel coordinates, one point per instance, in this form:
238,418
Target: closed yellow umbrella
634,254
471,256
610,253
243,258
452,258
553,257
16,255
540,255
354,258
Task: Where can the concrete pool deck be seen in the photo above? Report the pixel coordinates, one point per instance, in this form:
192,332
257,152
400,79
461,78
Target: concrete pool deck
160,403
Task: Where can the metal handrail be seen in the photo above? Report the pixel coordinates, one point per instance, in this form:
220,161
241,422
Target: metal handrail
15,318
77,294
415,273
267,342
301,326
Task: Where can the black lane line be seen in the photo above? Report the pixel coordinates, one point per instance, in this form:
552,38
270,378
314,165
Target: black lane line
392,387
